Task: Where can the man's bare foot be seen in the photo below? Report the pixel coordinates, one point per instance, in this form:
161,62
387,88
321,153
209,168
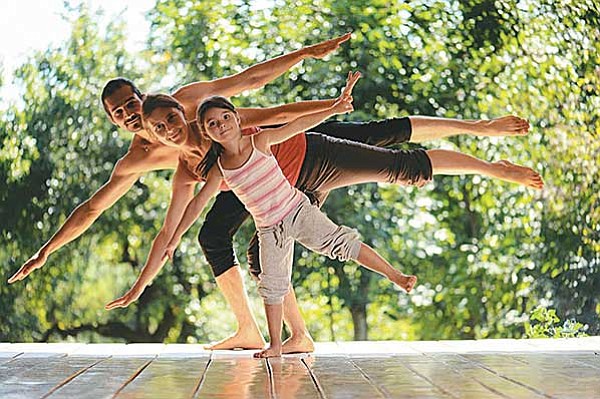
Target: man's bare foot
523,175
298,343
509,125
239,340
271,351
404,281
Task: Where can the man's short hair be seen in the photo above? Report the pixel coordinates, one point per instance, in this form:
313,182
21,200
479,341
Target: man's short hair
113,85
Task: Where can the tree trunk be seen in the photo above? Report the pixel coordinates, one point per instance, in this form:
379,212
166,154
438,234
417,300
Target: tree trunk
359,320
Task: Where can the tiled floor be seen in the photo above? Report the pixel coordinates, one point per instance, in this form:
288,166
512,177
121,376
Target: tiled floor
388,369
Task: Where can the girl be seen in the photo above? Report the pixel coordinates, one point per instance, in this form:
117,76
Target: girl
281,212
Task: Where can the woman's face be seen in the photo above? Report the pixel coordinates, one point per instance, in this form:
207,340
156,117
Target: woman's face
169,125
221,124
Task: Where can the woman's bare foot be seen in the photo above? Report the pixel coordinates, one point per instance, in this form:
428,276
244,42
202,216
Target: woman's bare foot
271,351
240,340
404,281
509,125
523,175
298,343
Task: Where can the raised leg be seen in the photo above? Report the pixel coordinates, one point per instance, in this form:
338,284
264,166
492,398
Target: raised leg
445,162
430,128
375,262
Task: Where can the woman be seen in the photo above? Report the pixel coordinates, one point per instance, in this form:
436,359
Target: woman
315,164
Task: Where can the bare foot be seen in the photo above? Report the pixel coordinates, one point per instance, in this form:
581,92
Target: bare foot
271,351
509,125
239,340
298,343
404,281
523,175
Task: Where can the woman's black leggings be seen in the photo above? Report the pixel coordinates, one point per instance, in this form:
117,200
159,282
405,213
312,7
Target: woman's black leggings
331,161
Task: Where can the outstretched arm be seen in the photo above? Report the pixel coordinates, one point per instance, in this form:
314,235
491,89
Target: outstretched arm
256,76
183,192
195,208
125,173
281,114
343,104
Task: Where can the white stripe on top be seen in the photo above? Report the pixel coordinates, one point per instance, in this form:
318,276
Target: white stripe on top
262,187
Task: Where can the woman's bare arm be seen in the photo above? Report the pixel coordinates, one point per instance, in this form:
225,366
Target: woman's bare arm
343,104
281,114
195,208
183,192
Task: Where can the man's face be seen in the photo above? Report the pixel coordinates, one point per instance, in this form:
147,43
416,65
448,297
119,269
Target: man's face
125,108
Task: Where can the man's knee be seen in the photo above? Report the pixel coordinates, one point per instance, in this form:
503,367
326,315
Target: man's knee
218,250
411,168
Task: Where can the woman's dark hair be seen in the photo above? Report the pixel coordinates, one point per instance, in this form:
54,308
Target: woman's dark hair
154,101
113,85
215,149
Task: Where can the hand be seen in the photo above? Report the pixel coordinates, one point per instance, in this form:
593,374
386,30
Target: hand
170,251
322,49
343,103
35,262
171,248
130,296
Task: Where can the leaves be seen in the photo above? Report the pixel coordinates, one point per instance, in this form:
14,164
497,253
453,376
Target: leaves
487,253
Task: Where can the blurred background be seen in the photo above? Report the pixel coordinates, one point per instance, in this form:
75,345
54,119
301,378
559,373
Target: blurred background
494,260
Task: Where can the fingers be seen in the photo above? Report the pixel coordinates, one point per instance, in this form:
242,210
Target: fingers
352,79
169,252
345,37
117,303
17,276
121,302
322,49
23,272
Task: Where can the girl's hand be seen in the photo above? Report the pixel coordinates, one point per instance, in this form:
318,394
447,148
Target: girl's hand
171,248
344,102
350,83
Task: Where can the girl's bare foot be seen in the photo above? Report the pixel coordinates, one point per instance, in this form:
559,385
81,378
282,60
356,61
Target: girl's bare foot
509,125
523,175
298,343
239,340
404,281
271,351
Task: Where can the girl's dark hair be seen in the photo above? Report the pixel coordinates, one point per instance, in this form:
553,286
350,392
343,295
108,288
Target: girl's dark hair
215,149
154,101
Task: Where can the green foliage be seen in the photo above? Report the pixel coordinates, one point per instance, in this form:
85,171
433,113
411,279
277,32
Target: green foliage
546,326
487,253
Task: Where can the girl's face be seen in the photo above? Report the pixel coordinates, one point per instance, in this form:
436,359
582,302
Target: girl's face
169,125
221,124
